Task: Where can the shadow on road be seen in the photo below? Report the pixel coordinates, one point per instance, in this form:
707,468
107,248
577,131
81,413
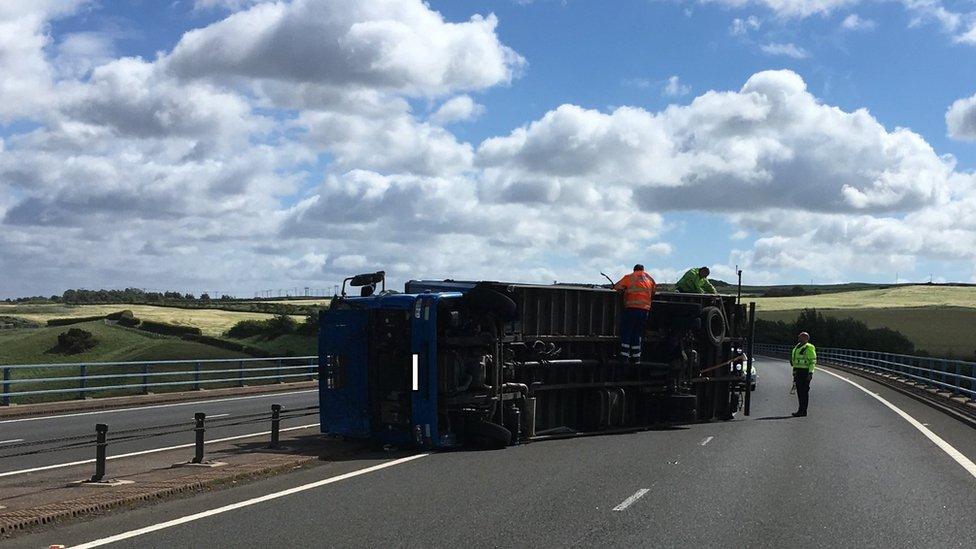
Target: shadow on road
766,418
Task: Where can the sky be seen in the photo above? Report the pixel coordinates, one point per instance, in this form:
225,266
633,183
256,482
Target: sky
234,146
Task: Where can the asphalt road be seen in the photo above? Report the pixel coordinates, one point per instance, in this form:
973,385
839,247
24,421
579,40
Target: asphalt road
853,473
221,410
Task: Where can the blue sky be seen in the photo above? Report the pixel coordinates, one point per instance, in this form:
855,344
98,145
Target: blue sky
168,144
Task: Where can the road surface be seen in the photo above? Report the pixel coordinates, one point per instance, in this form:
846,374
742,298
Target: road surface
853,473
15,431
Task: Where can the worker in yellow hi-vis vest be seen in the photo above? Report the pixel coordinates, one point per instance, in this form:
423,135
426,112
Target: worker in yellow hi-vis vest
803,359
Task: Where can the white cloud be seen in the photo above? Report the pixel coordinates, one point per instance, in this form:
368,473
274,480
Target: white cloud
457,109
961,118
392,45
772,139
788,49
856,22
239,169
674,88
742,27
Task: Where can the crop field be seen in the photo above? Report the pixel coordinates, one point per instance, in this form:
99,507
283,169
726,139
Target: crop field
898,297
938,319
212,322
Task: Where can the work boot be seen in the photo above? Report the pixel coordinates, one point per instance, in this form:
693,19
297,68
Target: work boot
799,414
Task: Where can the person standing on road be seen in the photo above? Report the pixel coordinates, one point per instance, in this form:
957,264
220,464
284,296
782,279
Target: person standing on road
638,288
803,359
695,281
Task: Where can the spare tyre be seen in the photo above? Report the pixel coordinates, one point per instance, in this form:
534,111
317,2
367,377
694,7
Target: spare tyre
714,324
485,299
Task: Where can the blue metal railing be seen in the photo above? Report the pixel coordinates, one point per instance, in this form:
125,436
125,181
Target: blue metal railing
280,369
955,376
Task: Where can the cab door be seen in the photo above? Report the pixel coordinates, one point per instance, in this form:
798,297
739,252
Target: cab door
343,382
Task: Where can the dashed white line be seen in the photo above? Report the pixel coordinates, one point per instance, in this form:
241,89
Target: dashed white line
246,503
630,501
217,415
187,403
11,441
706,441
152,451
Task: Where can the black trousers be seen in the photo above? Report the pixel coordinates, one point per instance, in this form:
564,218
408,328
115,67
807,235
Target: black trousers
802,379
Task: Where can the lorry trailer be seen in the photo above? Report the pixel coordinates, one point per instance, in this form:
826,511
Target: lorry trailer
482,363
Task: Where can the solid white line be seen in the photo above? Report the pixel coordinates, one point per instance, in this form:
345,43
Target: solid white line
11,441
246,503
217,415
706,441
152,451
629,501
187,403
961,459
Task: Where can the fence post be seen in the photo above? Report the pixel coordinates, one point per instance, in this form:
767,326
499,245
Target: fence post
240,374
6,387
279,371
100,444
958,382
196,376
198,418
275,425
82,381
145,379
311,369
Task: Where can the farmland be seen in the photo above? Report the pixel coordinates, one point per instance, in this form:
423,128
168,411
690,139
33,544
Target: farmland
212,322
115,343
938,319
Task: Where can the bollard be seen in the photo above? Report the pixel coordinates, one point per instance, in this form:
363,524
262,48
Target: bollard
275,425
199,418
100,445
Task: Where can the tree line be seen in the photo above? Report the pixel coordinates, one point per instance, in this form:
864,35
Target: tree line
128,295
827,331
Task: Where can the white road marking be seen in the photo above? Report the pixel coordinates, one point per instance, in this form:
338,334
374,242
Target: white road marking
11,441
958,456
630,501
151,451
241,504
217,415
706,441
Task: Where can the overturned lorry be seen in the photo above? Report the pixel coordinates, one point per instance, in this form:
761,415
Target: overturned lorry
452,363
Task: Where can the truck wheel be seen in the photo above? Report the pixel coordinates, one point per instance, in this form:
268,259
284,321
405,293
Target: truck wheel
486,299
714,324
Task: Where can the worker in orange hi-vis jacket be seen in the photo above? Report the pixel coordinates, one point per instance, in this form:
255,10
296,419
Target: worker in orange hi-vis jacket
638,288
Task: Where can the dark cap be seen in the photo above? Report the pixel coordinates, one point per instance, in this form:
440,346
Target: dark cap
638,267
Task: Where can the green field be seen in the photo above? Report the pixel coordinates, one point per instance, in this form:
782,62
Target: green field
115,343
938,319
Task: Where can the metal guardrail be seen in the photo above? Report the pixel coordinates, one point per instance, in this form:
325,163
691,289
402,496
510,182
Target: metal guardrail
956,376
283,368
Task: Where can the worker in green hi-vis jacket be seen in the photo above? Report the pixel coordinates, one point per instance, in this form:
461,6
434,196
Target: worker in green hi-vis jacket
695,281
803,359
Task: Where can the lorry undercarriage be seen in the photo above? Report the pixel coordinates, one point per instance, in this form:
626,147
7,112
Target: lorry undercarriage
449,363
